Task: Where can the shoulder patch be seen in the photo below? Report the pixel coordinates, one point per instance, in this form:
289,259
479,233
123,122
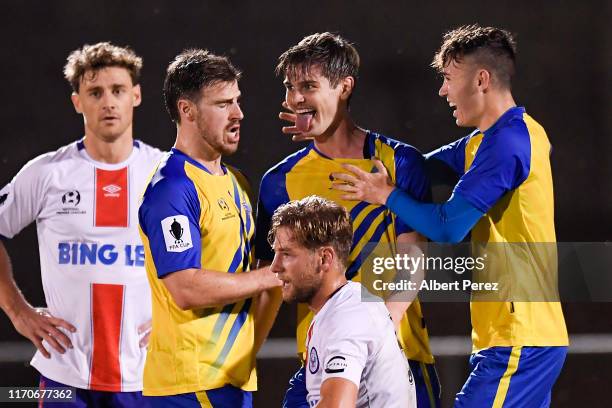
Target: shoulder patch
177,234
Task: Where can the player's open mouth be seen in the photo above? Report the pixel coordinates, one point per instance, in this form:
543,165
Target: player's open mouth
234,131
303,119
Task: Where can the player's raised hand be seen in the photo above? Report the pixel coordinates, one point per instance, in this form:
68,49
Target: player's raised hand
145,331
37,324
268,279
297,134
360,185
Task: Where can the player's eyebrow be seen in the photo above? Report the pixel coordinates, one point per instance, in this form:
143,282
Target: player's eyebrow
93,88
308,82
228,100
286,82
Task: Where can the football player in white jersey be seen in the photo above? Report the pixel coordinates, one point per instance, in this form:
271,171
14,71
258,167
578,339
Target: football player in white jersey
83,197
353,357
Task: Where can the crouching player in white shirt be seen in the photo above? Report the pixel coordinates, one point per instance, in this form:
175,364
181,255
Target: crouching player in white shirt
353,357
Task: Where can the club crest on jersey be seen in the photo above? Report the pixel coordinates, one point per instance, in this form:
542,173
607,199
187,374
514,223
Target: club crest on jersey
223,205
3,198
177,234
313,361
336,364
227,212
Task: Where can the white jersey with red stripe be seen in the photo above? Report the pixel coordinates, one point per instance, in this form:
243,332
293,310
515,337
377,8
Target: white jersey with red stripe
91,259
356,341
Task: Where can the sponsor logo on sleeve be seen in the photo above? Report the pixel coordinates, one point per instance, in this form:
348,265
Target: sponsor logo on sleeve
177,234
313,361
336,364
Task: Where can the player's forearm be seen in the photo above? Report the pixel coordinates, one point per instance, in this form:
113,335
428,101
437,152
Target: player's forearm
11,299
447,222
412,245
200,288
266,310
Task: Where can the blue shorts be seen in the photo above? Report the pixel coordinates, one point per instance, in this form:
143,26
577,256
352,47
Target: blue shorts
425,379
92,398
427,384
511,377
295,397
224,397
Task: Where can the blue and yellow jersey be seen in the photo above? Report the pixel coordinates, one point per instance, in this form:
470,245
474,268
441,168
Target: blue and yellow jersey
307,172
190,218
505,173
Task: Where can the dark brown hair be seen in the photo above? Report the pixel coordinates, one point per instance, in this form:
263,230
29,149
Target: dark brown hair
491,47
336,57
190,72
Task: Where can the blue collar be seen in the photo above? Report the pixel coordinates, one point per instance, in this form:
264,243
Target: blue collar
505,118
194,162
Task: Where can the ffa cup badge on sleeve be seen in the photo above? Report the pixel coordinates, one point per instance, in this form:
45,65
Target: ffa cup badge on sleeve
177,234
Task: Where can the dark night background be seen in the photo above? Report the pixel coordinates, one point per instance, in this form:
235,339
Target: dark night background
563,79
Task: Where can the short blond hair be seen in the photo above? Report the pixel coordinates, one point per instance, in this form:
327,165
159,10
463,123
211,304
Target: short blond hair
315,222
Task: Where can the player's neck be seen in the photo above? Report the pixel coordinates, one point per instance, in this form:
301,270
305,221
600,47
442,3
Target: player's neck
327,290
496,107
200,151
343,140
109,151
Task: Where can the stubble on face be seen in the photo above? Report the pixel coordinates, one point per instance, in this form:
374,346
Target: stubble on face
305,285
219,129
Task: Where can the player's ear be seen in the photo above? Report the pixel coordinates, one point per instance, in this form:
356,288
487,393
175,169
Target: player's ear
186,110
347,84
483,80
76,102
328,257
136,95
